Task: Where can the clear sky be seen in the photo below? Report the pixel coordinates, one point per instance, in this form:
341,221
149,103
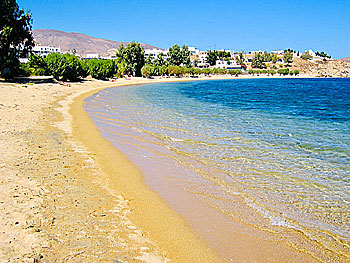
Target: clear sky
322,25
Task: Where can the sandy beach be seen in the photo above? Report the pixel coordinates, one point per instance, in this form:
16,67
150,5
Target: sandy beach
68,195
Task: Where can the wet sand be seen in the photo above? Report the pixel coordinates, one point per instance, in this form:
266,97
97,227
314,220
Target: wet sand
67,195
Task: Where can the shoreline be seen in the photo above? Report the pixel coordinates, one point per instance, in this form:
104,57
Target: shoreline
58,175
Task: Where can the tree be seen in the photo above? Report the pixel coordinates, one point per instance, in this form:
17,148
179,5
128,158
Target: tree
258,61
185,53
15,36
101,69
175,55
284,71
266,57
274,58
37,66
133,56
212,57
288,56
160,61
64,66
179,56
306,56
240,59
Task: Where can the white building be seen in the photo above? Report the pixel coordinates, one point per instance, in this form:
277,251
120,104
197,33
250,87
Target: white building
154,52
202,60
224,64
43,51
194,51
91,56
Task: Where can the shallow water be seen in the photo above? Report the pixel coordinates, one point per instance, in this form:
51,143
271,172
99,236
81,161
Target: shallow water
281,146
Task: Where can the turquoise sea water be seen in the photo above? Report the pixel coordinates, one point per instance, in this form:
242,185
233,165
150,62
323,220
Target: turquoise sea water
280,145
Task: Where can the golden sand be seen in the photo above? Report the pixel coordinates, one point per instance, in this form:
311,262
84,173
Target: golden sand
67,195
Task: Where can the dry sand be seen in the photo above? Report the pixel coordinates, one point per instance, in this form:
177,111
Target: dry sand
56,203
60,197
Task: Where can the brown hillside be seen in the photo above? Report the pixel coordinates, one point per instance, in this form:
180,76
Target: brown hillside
345,59
83,44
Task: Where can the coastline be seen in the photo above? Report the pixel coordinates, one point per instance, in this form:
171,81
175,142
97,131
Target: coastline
55,190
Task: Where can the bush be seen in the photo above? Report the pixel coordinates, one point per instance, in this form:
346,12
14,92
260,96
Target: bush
235,72
64,66
101,69
296,72
284,71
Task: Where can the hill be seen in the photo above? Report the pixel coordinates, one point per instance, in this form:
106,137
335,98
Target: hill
83,44
345,59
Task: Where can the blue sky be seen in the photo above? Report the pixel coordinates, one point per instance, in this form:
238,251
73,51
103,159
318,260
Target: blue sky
322,25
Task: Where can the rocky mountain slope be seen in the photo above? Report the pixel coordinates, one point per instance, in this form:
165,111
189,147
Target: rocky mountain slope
83,44
332,68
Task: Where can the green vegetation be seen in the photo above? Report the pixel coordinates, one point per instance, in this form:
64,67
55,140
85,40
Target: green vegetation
65,66
288,56
306,56
15,37
101,69
323,54
131,58
213,56
179,56
284,71
179,71
240,60
258,61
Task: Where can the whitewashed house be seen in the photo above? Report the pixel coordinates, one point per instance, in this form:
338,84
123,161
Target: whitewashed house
43,51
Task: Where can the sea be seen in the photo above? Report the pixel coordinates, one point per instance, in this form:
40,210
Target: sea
273,154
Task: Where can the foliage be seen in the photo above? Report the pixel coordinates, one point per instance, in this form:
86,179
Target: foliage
133,57
235,72
15,37
322,54
274,58
296,72
284,71
266,57
288,57
212,57
258,61
36,66
64,66
240,60
160,61
306,56
179,56
101,69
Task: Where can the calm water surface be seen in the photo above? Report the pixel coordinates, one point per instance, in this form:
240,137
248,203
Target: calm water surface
280,145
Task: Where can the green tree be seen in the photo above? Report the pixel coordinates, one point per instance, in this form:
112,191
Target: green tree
284,71
101,69
258,61
160,61
240,60
306,56
274,58
266,57
175,55
133,56
288,57
212,57
15,37
179,56
37,66
64,66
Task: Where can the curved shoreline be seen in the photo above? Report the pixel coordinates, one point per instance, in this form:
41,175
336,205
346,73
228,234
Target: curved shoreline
56,201
148,210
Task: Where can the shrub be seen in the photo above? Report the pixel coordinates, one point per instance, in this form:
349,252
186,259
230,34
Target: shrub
284,71
101,69
64,66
